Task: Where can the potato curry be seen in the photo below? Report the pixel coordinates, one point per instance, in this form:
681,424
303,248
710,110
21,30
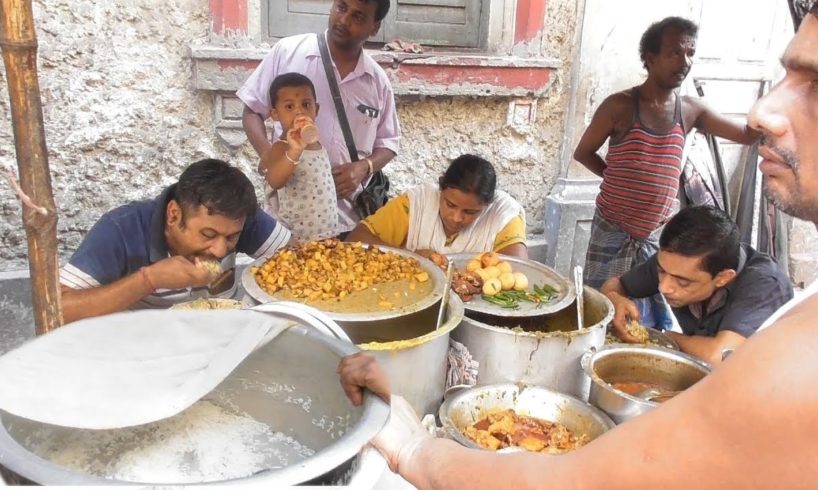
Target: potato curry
344,277
506,428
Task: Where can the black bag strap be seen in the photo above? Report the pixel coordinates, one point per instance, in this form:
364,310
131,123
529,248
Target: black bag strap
336,98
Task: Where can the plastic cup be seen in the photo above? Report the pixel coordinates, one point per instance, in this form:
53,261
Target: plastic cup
309,134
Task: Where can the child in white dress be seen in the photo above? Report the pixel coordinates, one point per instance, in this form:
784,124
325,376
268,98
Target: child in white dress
298,179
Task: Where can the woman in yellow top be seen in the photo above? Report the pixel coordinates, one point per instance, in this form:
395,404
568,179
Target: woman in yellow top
464,213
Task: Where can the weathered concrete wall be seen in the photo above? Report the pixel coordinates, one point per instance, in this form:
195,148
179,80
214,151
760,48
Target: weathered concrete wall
803,253
122,118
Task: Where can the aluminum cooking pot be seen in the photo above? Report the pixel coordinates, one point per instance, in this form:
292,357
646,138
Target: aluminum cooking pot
547,358
468,406
417,367
290,385
617,363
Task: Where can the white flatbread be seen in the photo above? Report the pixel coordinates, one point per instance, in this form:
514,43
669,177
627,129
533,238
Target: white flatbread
129,368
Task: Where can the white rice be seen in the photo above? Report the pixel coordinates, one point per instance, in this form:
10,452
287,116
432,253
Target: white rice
204,443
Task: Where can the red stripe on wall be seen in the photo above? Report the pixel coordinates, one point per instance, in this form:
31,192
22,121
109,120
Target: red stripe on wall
529,20
228,15
510,77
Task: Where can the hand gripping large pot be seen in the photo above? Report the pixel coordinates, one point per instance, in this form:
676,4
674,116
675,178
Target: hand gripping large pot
289,385
417,367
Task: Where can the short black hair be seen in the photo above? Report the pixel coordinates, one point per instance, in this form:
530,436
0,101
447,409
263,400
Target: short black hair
218,186
651,41
471,174
290,79
382,10
814,9
703,231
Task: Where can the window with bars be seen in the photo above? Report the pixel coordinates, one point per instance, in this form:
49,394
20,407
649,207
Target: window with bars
444,23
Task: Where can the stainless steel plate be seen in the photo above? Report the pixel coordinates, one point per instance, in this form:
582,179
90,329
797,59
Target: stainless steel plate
255,291
537,273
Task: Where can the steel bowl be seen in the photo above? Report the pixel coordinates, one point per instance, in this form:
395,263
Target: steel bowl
403,323
617,363
468,406
289,385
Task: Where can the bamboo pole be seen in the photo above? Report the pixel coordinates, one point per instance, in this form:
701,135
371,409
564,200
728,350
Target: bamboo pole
18,41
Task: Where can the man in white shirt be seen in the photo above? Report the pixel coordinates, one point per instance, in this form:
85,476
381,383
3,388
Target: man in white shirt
365,90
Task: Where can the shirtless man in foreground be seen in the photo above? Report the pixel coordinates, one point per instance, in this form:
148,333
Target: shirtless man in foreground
750,424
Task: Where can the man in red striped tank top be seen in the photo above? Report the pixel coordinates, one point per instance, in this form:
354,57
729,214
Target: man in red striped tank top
645,127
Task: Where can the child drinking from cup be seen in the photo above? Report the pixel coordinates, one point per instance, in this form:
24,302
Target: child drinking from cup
298,180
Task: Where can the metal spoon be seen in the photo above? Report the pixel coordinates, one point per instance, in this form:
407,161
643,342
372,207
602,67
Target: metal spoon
445,300
657,394
580,296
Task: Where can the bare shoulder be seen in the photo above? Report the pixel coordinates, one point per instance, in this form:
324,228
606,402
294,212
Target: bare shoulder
693,107
618,109
618,103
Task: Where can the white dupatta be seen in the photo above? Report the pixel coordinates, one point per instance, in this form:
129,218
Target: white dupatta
426,230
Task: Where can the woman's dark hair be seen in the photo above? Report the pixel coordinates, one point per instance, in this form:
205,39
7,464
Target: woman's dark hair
219,187
290,79
703,231
651,41
472,174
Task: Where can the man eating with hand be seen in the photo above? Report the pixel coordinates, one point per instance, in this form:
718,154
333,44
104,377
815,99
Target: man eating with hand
171,249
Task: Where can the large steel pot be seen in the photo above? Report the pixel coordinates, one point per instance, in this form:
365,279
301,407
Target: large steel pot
618,363
396,324
469,406
290,385
548,358
417,367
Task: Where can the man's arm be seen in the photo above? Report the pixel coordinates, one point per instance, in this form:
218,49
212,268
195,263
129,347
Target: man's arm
348,177
118,296
170,273
713,123
746,425
598,131
706,348
253,125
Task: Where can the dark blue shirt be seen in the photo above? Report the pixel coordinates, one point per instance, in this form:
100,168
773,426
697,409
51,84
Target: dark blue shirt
133,236
759,288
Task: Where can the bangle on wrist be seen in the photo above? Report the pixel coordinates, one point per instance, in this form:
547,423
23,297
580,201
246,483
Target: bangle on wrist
371,166
147,280
294,162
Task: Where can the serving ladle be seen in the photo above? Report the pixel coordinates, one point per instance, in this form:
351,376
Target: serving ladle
580,296
445,300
